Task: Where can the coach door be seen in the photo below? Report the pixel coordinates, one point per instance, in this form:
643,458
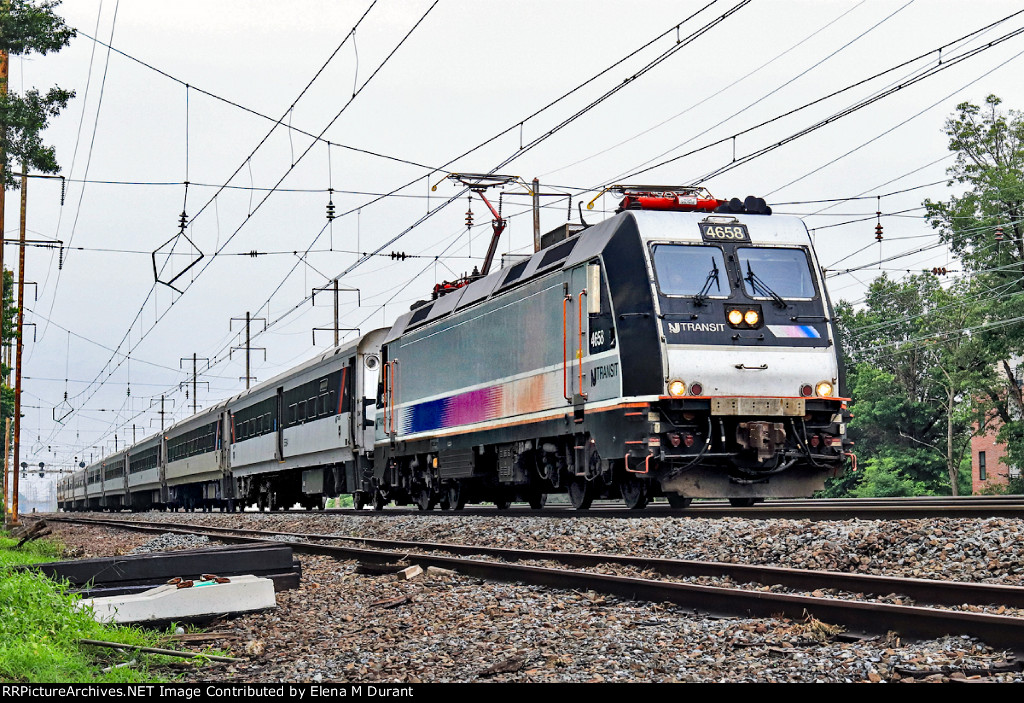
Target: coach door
279,429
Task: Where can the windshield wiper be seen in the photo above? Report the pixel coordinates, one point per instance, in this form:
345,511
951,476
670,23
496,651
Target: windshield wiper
756,283
702,297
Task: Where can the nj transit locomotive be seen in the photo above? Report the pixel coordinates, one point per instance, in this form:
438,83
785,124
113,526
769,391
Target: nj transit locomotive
681,348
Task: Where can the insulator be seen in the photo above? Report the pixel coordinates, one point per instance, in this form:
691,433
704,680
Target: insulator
330,209
469,218
878,232
999,234
183,220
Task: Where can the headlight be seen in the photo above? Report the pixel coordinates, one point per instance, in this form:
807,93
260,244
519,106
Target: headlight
752,318
735,317
676,388
824,389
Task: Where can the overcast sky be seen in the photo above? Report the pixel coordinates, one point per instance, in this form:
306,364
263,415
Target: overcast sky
468,72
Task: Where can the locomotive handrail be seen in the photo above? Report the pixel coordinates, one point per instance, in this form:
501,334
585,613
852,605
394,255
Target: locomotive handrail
387,397
391,395
565,351
579,352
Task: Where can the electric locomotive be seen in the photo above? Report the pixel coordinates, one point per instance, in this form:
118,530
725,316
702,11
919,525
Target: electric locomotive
683,348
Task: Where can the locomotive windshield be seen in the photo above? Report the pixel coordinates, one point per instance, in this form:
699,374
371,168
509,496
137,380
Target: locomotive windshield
776,272
690,270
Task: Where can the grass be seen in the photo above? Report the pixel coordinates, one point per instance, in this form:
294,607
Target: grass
31,553
40,628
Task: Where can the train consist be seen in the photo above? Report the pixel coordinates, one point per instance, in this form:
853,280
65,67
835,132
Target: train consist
682,348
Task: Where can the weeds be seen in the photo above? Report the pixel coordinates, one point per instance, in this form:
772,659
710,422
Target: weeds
40,629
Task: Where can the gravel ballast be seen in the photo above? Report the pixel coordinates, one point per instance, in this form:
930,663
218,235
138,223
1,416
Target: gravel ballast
347,627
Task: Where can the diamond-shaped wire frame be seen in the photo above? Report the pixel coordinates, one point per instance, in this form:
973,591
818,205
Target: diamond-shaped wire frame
62,411
173,242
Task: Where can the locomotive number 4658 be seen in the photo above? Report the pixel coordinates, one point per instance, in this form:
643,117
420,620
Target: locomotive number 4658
712,232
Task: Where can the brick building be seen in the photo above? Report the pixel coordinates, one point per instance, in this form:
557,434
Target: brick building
988,471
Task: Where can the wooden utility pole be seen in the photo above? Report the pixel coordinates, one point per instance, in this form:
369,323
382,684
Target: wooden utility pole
3,190
7,464
17,359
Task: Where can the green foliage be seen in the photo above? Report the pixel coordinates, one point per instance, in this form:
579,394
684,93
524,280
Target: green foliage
40,628
989,148
26,27
24,117
30,553
39,633
932,363
914,373
883,476
32,26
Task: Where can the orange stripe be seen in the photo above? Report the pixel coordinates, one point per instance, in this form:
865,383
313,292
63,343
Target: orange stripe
341,390
780,397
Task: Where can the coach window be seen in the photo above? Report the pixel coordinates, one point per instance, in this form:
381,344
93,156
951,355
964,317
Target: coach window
982,471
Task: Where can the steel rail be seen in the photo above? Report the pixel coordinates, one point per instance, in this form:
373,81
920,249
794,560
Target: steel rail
998,631
933,591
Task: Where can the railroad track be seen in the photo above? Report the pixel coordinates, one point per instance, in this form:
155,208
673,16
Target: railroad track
860,617
815,509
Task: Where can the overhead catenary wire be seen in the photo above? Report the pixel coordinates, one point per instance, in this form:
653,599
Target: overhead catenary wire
946,63
331,122
538,140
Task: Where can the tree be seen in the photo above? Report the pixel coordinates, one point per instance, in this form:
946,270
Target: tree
985,228
29,26
915,369
26,27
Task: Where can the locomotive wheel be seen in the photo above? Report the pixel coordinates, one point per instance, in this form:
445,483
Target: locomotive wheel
742,502
678,502
378,500
634,492
538,500
358,500
425,500
581,495
456,501
503,503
